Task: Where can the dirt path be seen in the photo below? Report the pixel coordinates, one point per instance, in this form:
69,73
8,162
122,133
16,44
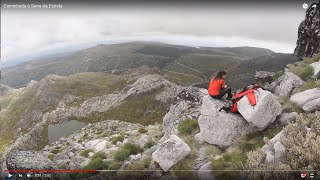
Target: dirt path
195,70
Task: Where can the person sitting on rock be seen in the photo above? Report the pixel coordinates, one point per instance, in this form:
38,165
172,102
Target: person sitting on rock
217,87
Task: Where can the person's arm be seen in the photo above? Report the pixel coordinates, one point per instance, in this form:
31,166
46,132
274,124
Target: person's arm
223,84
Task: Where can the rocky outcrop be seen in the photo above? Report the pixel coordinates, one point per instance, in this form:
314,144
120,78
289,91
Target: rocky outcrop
285,85
28,140
171,152
185,106
4,89
263,113
220,128
29,160
96,137
308,42
274,149
264,76
144,84
308,100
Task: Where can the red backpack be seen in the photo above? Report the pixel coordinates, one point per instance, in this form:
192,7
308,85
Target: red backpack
236,98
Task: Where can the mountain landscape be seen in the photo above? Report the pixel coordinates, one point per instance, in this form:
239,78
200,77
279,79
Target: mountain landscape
183,65
141,110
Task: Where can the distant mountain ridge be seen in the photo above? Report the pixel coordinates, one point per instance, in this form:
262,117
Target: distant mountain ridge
184,65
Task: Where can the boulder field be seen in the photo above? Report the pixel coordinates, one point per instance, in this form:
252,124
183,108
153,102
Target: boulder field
216,128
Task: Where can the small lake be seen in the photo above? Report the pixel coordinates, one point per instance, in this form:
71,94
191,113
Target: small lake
55,132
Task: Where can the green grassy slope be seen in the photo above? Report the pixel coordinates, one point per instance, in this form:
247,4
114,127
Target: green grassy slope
22,111
106,58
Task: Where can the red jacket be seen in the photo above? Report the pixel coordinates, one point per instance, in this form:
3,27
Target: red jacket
215,86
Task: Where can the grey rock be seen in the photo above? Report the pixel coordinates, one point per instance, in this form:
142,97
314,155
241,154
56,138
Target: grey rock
84,163
205,172
4,89
308,100
186,105
133,158
143,140
317,76
143,84
264,76
3,168
274,149
96,145
312,106
169,93
264,112
70,154
171,152
199,138
220,128
201,158
287,118
29,160
119,143
305,96
285,85
316,68
90,154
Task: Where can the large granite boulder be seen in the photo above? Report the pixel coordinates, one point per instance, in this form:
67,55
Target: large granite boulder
274,149
312,105
170,152
308,100
285,85
220,128
264,112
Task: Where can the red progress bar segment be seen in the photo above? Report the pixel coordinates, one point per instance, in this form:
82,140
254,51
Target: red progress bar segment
51,171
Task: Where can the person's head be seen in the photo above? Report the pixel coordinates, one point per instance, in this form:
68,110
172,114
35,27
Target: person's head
221,75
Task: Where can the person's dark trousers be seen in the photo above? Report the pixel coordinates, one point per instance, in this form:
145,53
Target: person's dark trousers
223,92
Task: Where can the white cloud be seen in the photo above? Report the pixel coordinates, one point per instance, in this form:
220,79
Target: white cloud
27,33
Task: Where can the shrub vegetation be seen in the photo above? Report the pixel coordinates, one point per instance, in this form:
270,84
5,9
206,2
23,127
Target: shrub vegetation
188,126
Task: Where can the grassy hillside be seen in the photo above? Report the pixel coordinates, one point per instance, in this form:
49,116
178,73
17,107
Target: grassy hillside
120,57
23,110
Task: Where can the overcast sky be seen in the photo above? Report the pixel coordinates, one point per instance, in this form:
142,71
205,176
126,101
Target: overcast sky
30,32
